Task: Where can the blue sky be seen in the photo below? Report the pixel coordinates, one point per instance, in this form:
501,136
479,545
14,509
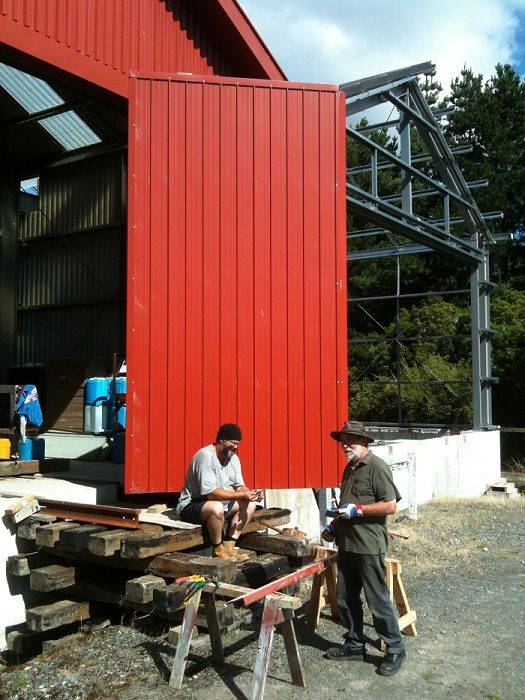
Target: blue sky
334,41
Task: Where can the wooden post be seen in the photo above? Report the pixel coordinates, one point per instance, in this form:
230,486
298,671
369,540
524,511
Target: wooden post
214,629
317,599
183,647
292,649
264,648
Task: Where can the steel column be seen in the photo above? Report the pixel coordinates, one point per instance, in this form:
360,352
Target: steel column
481,351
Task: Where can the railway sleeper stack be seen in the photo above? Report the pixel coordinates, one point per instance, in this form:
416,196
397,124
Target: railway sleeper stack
76,569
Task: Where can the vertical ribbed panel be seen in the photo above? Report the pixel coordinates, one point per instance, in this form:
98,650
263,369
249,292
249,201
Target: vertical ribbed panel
84,195
122,35
71,279
87,331
236,280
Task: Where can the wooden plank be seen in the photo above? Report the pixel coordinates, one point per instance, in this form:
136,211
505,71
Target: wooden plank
183,647
264,647
22,564
331,586
283,582
45,617
105,544
276,544
102,591
408,620
259,572
169,599
292,651
78,537
213,628
177,564
22,509
113,562
160,543
32,466
48,535
27,529
52,578
403,607
140,590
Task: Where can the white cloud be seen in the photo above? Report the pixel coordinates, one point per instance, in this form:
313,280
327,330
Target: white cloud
335,41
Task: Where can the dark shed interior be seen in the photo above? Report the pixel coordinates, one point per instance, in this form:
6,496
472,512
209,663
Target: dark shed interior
62,238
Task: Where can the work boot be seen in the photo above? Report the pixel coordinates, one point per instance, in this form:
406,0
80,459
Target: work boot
220,551
391,663
236,556
346,652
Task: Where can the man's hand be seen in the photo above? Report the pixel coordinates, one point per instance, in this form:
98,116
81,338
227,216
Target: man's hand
249,495
350,510
328,534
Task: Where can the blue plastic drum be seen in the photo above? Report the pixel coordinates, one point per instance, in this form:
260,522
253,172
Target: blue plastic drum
118,408
32,448
96,404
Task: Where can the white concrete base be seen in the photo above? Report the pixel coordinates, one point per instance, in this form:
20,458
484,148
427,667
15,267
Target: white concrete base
302,503
459,466
59,489
76,446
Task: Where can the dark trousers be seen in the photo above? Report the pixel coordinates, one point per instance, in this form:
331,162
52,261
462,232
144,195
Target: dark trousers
357,572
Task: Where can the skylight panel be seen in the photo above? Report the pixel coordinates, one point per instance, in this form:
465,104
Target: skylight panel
33,94
70,130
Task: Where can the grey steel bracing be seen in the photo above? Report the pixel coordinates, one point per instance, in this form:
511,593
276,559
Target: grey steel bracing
488,216
400,88
401,75
416,158
395,160
395,122
449,169
412,227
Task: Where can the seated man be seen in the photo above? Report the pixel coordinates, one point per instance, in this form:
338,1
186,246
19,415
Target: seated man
214,491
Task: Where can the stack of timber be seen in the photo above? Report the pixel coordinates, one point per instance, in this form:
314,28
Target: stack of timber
503,489
26,467
79,564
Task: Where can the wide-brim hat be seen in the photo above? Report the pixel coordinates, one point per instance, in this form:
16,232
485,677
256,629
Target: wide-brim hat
352,427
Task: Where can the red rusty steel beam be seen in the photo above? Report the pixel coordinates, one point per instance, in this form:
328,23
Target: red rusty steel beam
90,513
288,580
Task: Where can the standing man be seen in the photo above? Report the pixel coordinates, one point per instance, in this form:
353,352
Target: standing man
368,495
214,491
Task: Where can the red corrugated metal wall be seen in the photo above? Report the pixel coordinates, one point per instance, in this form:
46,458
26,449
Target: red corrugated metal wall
236,278
102,40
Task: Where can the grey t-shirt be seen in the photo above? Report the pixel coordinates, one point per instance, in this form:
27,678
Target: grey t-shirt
206,473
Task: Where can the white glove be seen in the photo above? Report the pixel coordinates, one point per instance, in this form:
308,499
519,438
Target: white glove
351,510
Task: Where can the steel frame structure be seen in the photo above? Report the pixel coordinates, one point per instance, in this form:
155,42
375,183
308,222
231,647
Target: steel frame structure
401,90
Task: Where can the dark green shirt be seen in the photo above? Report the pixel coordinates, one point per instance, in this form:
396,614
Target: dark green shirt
371,481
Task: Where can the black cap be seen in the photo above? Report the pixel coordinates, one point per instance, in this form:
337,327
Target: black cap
229,431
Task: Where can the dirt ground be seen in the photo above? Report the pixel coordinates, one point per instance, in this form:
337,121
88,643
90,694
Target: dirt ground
464,574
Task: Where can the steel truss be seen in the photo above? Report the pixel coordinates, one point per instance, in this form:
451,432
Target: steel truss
401,90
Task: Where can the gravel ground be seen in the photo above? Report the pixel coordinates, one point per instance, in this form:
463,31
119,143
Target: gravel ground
464,574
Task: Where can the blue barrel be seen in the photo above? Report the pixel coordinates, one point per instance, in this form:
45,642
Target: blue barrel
119,448
120,388
96,404
32,448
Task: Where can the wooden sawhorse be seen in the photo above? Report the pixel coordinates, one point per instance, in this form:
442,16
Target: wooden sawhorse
407,616
278,610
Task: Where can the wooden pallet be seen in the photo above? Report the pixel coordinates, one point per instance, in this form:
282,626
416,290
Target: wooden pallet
503,489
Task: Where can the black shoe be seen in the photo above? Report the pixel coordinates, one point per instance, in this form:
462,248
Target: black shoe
345,652
391,663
